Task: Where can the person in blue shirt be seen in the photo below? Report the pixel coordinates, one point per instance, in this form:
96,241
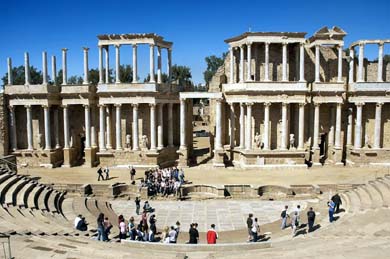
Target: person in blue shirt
331,206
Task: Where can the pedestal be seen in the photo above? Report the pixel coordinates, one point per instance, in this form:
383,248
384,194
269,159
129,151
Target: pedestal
90,157
337,156
218,160
316,157
183,157
69,157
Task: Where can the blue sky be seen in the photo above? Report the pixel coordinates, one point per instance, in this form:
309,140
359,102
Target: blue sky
197,28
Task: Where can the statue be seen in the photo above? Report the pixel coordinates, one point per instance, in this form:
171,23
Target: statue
40,141
292,141
71,144
145,142
128,140
258,140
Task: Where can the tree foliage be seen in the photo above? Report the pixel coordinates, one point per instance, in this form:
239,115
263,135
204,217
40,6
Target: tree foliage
182,74
19,78
213,63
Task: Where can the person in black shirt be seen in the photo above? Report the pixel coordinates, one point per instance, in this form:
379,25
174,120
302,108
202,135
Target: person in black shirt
194,234
137,205
311,216
100,174
337,201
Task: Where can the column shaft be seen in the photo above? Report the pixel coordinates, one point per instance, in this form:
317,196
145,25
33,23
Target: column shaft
349,127
248,135
183,144
46,112
56,127
302,62
340,64
351,65
266,62
317,64
283,141
151,64
87,117
361,61
9,64
117,64
358,126
12,124
159,75
331,126
85,78
160,127
316,125
266,126
44,67
102,141
218,124
29,129
380,63
135,64
108,126
241,64
66,126
118,128
152,126
242,126
27,69
169,67
232,126
301,127
54,69
135,127
100,64
106,51
338,126
249,64
284,61
378,125
231,78
170,124
64,67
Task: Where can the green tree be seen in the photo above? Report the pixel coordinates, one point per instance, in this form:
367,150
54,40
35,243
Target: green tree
18,76
213,63
164,78
182,74
126,73
75,80
59,78
93,76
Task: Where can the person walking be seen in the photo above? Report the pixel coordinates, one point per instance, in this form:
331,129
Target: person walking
331,206
212,235
107,172
249,223
137,204
311,216
284,217
255,230
337,201
100,174
295,223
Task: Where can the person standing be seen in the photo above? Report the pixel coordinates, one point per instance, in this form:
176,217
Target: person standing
284,217
137,204
100,174
255,230
132,175
107,172
249,223
295,223
311,216
177,229
194,234
100,227
212,235
331,206
337,201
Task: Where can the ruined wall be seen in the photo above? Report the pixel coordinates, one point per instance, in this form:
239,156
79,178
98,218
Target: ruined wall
4,143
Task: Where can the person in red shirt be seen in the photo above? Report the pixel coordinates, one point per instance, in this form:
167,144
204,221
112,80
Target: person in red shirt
212,235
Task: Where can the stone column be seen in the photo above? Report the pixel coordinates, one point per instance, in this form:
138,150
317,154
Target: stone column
85,78
317,64
100,64
87,117
64,67
56,128
117,64
302,62
54,69
44,67
241,64
231,77
27,75
135,127
378,122
10,78
349,127
232,125
242,126
152,126
266,63
248,135
183,144
351,64
316,125
218,124
151,65
118,127
169,67
301,126
106,51
170,124
159,76
283,142
361,61
284,60
331,126
358,126
46,113
249,65
380,62
266,126
135,64
160,127
340,64
66,126
29,128
12,125
108,126
102,131
338,126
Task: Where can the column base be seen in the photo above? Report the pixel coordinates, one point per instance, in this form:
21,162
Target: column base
219,158
183,157
90,157
70,158
316,157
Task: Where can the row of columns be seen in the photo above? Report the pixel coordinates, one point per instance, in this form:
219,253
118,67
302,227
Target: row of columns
339,63
135,64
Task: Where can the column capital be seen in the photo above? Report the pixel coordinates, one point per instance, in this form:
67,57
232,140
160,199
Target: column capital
379,104
28,106
302,104
183,99
339,46
248,44
86,106
152,105
249,104
361,44
241,47
359,104
101,46
64,105
381,43
85,49
284,43
285,103
267,104
118,105
339,104
134,105
302,44
135,45
219,100
242,103
101,105
317,104
151,45
11,107
267,43
64,49
45,105
117,46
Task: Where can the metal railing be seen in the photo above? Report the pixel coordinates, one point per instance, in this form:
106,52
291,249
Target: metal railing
6,242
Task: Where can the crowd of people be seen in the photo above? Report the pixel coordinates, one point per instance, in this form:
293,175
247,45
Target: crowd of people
163,182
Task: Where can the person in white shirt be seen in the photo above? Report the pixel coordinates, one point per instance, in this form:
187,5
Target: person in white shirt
172,235
77,220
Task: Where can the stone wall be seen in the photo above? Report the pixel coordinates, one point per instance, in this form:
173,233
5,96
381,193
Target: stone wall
4,139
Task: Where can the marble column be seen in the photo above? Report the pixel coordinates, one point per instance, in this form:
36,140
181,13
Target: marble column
102,131
54,69
340,64
135,127
231,77
232,125
100,64
27,75
302,62
358,126
169,66
117,64
218,124
380,63
151,63
331,126
283,141
317,64
108,126
241,80
183,144
266,126
378,124
9,65
118,127
160,126
85,78
56,128
159,75
46,113
64,67
12,125
152,126
284,62
135,64
29,128
66,126
170,124
87,117
301,126
338,126
242,126
349,126
106,51
361,63
248,135
351,65
249,63
266,63
316,125
44,68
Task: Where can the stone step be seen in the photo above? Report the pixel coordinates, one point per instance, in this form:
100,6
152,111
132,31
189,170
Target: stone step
6,185
59,201
11,195
14,222
365,199
43,198
67,209
22,196
384,192
355,201
345,201
51,201
4,177
80,207
32,199
376,198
